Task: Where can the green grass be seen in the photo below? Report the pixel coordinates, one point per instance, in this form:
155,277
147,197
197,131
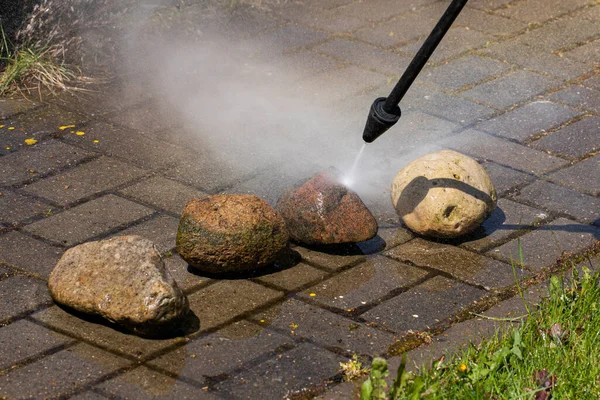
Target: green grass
554,352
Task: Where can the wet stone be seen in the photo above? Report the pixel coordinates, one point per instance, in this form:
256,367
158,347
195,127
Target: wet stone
10,107
364,284
292,370
291,279
425,305
507,220
143,383
122,279
230,233
15,207
542,247
231,348
332,261
323,211
323,327
102,334
22,340
89,395
386,239
185,277
28,254
60,373
461,264
160,230
20,294
229,299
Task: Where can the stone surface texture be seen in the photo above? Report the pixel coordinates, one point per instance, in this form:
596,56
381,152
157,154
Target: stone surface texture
122,279
444,194
230,233
324,211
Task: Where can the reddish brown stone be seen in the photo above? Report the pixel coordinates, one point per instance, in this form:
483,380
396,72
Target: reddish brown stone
229,233
323,211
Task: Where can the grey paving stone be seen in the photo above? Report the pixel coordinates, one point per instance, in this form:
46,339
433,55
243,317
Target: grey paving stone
143,383
20,294
232,347
185,278
38,160
84,181
588,53
464,71
147,118
398,31
10,107
561,33
505,178
364,55
327,20
578,96
546,244
5,273
28,254
457,41
160,230
575,140
327,4
228,299
489,22
511,89
60,373
163,193
331,262
16,207
538,11
508,219
461,264
41,122
288,38
529,120
484,147
302,64
386,239
425,305
562,200
593,82
135,148
102,335
291,279
583,176
290,371
533,58
22,340
488,5
88,220
343,83
366,283
377,10
88,395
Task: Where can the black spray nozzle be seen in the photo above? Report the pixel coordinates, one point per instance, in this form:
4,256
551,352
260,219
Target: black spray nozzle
380,119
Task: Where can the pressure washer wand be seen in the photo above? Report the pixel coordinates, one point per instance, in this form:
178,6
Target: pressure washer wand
385,112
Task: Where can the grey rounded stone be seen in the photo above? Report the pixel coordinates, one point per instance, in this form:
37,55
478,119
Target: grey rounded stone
444,194
122,279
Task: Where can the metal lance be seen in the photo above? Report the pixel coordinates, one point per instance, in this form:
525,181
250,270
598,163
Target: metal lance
385,111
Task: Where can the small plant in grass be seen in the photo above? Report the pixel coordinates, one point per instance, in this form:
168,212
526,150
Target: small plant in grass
554,353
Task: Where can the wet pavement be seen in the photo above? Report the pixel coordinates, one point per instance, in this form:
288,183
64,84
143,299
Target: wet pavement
515,84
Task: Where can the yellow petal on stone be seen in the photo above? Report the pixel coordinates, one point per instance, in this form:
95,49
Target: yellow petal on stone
30,142
2,126
80,133
62,128
11,128
392,34
96,141
312,294
7,147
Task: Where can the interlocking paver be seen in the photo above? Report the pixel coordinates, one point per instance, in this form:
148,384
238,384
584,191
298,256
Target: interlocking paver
38,160
453,75
546,244
589,53
101,334
328,20
563,200
10,107
400,30
560,34
386,239
488,4
89,179
575,140
490,23
348,81
147,118
160,230
364,284
228,299
293,278
186,278
578,96
529,120
503,152
593,82
288,38
540,11
292,370
377,10
143,383
424,305
461,264
88,395
88,220
583,176
219,353
23,340
60,373
28,254
332,261
504,178
20,294
511,89
507,220
16,207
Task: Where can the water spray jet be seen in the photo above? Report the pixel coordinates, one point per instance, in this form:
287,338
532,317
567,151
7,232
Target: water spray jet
385,112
